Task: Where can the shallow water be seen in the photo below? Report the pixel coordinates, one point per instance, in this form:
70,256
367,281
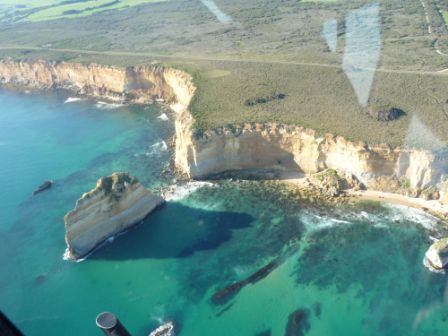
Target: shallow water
346,270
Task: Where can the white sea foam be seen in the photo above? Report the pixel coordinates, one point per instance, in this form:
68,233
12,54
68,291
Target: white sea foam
67,255
340,221
107,106
156,148
163,116
178,192
428,265
72,100
412,214
364,214
315,222
380,225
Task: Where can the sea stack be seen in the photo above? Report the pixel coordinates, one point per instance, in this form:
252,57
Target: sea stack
116,203
436,258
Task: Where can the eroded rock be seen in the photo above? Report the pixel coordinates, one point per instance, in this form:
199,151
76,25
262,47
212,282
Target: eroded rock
166,329
436,258
116,203
44,186
332,182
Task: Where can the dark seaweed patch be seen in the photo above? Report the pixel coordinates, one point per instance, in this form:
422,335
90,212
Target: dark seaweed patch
298,323
224,295
264,333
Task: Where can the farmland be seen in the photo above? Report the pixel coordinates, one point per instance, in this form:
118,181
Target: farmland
34,10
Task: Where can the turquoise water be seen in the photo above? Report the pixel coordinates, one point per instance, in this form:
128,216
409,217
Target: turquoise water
345,270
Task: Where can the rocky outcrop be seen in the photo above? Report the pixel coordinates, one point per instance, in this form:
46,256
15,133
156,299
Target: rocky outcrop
116,203
332,183
166,329
44,186
436,258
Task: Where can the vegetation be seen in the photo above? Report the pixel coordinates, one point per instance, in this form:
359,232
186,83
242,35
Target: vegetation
34,10
269,48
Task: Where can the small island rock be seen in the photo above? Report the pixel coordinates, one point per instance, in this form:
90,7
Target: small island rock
116,203
166,329
436,258
44,186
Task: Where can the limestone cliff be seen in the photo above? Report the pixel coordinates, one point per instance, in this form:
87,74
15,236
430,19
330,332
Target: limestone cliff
116,203
140,84
282,147
260,146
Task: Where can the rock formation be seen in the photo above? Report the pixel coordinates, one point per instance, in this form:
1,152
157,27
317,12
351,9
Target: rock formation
44,186
166,329
116,203
142,84
248,146
330,182
436,258
293,148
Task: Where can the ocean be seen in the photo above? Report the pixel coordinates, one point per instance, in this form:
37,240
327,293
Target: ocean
297,268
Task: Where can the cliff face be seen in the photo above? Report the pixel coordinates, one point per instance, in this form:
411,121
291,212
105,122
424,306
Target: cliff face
133,84
280,147
116,203
248,146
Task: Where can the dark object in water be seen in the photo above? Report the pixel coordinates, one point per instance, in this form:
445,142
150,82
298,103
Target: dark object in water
222,311
298,324
110,325
317,309
264,333
40,279
225,294
166,329
44,186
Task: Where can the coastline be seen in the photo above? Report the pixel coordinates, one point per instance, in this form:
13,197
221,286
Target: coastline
432,207
248,146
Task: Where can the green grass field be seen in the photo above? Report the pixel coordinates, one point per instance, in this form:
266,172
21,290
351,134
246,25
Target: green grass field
445,16
44,10
84,8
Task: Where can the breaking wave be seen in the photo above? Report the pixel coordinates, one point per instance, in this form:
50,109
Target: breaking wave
178,192
163,116
72,100
107,106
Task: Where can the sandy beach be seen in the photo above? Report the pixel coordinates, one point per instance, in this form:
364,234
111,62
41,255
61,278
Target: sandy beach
432,207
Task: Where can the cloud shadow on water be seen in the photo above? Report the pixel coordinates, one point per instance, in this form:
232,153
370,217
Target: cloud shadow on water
175,231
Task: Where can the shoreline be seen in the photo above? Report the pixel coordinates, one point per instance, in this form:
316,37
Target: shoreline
266,146
432,207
